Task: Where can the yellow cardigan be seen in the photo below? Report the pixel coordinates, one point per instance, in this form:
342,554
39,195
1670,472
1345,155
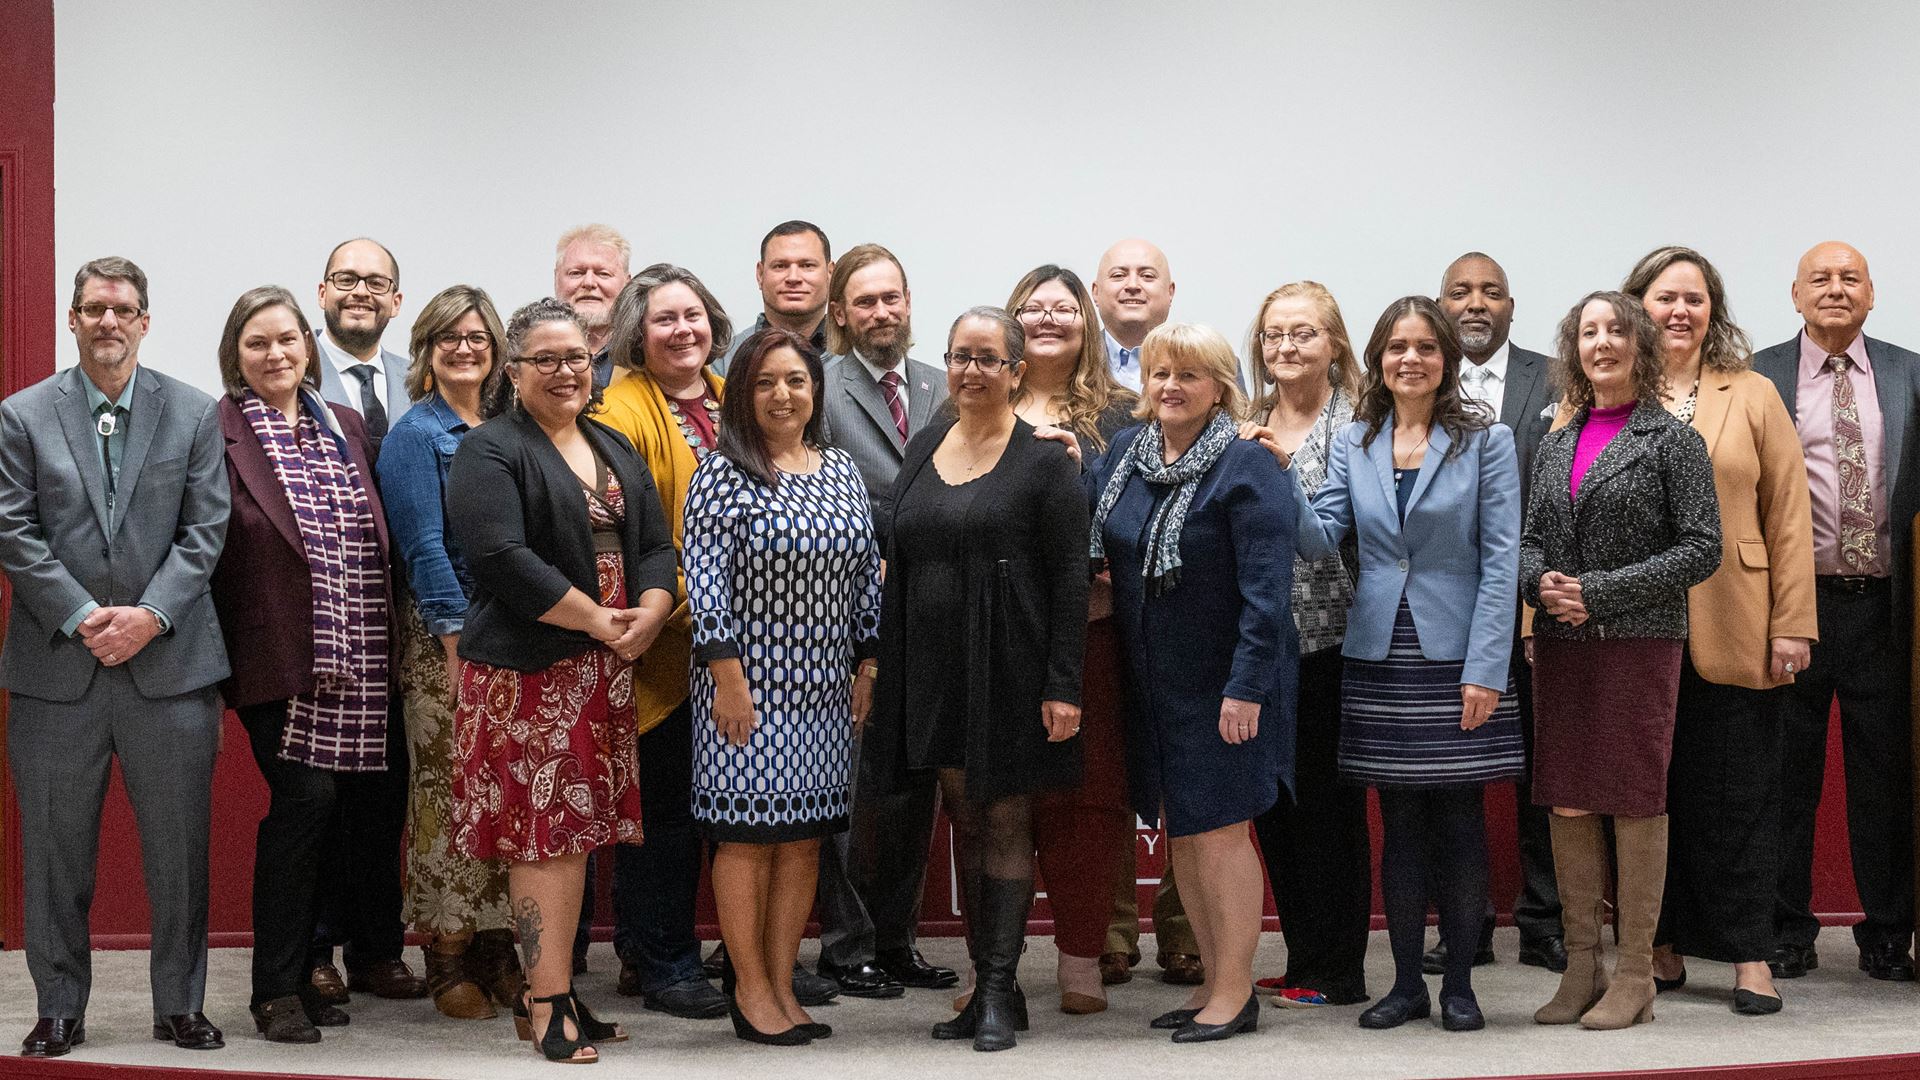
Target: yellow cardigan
636,407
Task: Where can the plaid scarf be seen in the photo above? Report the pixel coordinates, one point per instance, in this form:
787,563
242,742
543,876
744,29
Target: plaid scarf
341,725
1161,566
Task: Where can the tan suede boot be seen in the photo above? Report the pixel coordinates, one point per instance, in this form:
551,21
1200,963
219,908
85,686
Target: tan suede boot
1580,872
1640,849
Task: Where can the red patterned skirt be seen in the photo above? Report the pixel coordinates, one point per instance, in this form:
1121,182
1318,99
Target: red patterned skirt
544,759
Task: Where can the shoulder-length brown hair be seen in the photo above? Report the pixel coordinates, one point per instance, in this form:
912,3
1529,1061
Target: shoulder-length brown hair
1343,373
741,441
1091,388
1648,371
251,303
448,307
1726,347
1457,416
628,335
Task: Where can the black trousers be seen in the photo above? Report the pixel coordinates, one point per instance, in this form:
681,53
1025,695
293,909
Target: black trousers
656,884
1318,854
291,849
1723,819
360,890
1858,660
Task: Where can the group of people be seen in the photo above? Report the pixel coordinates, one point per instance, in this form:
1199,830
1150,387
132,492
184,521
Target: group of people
605,572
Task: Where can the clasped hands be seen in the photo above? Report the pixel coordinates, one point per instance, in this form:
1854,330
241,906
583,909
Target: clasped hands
116,635
627,631
1560,597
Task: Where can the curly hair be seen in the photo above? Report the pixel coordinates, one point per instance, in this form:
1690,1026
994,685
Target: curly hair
544,310
1459,417
1648,372
1726,346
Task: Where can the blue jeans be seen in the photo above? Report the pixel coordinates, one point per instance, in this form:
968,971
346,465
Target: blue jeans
655,884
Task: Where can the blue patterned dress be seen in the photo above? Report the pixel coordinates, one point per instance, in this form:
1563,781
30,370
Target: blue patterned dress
788,580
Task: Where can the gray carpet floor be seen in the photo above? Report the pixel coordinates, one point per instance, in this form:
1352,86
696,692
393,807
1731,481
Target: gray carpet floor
1834,1012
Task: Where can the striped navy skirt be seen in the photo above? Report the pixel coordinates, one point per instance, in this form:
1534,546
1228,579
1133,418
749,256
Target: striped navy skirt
1400,721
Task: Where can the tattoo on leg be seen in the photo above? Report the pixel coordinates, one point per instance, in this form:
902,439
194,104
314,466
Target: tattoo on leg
527,917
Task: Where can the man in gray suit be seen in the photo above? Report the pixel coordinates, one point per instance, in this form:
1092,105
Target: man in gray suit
876,398
359,296
1516,386
1853,399
113,506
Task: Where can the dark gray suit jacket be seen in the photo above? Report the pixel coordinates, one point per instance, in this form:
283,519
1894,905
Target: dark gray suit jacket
60,548
1896,383
1529,390
856,419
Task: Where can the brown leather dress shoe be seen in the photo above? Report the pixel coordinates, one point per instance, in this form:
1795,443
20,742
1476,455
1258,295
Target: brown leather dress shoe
189,1031
328,985
53,1036
387,979
1114,969
1182,969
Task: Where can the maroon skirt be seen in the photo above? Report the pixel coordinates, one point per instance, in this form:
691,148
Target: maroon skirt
1603,723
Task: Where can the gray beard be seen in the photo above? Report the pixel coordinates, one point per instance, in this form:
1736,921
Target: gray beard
1474,343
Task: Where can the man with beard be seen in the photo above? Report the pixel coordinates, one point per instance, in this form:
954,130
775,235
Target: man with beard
1134,292
359,296
1516,387
875,397
359,888
795,264
591,264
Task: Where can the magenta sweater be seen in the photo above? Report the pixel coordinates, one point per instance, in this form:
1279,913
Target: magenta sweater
1602,426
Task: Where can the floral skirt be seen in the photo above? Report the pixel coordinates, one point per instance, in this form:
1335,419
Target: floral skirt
546,758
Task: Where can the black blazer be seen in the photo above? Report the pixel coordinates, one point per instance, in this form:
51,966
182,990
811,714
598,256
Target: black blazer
1645,529
1529,390
518,514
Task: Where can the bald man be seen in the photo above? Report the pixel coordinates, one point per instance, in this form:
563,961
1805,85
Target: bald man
1853,399
1133,291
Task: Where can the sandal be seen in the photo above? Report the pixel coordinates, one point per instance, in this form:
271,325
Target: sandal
592,1027
554,1045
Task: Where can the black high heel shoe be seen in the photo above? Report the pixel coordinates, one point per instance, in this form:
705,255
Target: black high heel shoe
1247,1020
554,1044
743,1029
592,1027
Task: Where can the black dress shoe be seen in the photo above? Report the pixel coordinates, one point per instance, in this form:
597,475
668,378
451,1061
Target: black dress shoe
1396,1009
1461,1013
189,1031
1888,962
909,968
53,1036
1246,1020
744,1030
1748,1003
1792,961
1435,960
863,981
692,999
1546,952
810,989
1172,1021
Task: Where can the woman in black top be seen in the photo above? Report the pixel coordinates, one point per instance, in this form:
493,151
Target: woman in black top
574,574
982,628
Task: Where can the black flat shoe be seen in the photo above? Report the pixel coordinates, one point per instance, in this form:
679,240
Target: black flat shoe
1396,1009
1748,1003
53,1037
1661,986
189,1031
744,1030
1461,1013
1173,1021
1245,1021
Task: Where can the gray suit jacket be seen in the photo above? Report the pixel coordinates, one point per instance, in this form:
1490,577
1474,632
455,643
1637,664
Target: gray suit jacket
337,390
1896,383
1529,390
60,548
856,419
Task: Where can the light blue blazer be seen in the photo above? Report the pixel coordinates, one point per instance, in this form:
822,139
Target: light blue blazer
1456,558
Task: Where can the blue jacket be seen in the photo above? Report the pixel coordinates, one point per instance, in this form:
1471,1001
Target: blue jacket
412,467
1456,558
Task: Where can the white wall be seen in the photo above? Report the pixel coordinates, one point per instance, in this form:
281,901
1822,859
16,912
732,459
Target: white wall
224,144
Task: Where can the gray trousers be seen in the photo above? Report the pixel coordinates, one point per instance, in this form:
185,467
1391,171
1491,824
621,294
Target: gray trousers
61,755
872,875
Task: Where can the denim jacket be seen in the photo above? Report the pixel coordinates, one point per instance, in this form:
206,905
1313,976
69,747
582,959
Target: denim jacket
413,482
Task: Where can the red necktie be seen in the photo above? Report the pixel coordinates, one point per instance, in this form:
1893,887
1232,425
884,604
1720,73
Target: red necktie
890,386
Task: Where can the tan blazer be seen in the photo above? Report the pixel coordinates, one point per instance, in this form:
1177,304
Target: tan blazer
1764,587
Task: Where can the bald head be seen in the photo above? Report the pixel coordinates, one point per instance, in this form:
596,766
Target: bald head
1133,290
1833,292
1474,294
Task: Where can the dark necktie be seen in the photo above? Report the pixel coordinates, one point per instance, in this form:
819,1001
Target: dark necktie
890,386
1857,539
370,408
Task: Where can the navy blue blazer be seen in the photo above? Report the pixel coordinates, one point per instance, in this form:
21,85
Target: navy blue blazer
1456,558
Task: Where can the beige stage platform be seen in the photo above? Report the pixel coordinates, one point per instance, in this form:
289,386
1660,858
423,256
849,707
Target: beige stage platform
1836,1012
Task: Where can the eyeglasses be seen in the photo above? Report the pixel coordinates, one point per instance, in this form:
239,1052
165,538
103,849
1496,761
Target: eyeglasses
958,361
1302,336
121,312
1035,314
547,365
347,281
448,340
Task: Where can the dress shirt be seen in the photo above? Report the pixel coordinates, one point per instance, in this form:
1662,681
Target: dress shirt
1493,390
876,371
1814,406
1123,362
111,452
343,361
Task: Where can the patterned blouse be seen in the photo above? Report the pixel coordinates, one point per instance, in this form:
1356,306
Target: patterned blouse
1322,588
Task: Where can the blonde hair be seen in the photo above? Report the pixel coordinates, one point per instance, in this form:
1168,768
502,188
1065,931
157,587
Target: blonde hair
1343,374
595,233
1200,346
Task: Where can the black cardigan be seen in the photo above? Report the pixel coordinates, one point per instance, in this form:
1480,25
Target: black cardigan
1645,529
1026,599
517,512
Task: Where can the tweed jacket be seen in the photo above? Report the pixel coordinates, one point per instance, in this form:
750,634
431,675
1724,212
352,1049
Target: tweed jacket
1645,529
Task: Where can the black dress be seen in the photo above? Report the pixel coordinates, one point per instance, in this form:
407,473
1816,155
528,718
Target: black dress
931,529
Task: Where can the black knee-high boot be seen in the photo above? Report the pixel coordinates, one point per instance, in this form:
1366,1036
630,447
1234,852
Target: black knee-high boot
1000,935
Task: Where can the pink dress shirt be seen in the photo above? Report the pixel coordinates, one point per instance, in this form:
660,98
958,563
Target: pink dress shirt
1813,406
